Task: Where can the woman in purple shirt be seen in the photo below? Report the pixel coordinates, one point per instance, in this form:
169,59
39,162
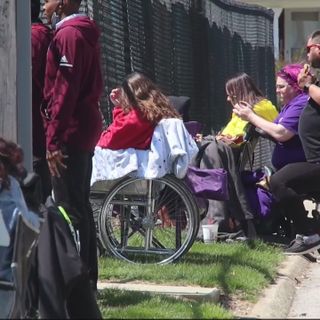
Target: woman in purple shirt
284,130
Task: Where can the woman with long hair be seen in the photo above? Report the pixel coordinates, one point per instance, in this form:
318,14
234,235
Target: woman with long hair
139,105
224,152
242,88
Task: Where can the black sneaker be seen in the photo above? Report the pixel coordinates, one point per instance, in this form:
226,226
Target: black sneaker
300,245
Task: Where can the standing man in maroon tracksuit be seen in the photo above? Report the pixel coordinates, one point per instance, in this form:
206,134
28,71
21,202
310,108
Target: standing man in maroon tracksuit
41,36
73,123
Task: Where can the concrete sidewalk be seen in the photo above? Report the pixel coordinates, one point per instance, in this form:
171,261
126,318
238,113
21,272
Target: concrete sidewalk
307,299
275,301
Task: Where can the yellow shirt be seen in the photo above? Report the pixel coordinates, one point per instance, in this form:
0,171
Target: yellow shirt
236,126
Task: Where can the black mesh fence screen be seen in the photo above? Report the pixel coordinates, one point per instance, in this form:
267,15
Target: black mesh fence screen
189,47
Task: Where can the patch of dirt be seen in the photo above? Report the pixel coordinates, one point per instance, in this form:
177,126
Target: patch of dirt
239,307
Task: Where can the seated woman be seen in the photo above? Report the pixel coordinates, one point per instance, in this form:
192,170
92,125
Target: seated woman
146,139
224,151
284,129
139,107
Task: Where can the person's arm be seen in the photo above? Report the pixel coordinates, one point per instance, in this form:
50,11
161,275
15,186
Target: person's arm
307,83
67,86
276,131
122,130
65,95
314,93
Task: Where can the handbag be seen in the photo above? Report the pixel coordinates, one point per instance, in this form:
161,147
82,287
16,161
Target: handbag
208,183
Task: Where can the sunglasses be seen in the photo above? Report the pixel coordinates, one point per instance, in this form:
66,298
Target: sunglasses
311,46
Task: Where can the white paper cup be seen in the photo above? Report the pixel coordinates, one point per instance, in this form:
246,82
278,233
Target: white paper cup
210,232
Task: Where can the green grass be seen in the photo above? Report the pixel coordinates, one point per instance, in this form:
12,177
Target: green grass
116,304
232,267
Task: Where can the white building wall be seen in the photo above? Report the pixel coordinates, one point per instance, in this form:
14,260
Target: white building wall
276,40
299,24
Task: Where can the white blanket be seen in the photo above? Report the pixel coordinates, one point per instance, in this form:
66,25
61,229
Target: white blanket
172,149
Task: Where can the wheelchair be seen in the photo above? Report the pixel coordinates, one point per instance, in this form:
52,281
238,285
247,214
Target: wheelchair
144,211
145,221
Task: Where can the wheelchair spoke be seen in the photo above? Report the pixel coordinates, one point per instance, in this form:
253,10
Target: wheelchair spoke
148,220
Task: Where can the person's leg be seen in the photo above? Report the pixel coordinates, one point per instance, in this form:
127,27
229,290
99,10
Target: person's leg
238,204
287,186
92,246
217,210
220,155
241,202
72,190
81,303
79,187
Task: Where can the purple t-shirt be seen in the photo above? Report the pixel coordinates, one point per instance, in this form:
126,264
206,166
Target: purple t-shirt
290,151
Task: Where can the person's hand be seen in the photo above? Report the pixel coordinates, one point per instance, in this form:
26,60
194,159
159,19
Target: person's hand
114,96
243,110
304,77
55,162
227,139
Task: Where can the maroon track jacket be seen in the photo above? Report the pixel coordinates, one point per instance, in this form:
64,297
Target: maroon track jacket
73,85
41,36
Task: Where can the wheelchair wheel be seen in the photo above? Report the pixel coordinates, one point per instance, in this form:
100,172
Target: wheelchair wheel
149,221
